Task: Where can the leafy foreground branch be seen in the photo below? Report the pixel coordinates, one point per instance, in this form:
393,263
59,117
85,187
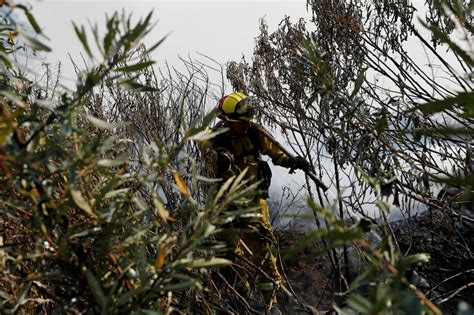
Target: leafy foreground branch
84,226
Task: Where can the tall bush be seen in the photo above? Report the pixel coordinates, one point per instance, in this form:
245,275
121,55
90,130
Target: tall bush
98,213
345,92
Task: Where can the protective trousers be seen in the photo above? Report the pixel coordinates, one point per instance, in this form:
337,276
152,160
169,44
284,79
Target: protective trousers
252,239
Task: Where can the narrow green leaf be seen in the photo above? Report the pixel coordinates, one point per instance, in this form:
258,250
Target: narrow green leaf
359,81
142,205
311,99
86,233
362,278
223,189
140,29
445,131
113,162
458,8
33,22
110,35
214,262
95,33
359,303
132,85
205,135
34,43
348,235
157,44
238,180
96,288
22,297
5,59
444,38
117,192
207,119
179,286
124,298
81,34
104,124
135,238
4,295
135,67
81,202
464,100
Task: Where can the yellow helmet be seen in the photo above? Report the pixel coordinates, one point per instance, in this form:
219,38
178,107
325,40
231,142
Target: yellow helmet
235,107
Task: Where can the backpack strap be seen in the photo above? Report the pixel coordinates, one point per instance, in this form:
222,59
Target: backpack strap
224,140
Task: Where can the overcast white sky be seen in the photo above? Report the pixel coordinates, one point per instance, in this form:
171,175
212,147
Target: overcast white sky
223,30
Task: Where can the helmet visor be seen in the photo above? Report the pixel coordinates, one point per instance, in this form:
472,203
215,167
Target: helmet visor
245,109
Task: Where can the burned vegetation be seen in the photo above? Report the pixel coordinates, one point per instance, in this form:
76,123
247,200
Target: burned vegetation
106,204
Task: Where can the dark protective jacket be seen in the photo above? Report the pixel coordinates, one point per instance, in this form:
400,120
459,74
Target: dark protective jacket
229,154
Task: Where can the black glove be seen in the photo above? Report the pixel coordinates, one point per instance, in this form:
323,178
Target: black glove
299,162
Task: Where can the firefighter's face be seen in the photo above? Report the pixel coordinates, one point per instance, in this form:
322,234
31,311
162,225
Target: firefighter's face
239,127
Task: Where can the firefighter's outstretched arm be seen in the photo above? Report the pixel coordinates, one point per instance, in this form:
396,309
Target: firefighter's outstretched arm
282,157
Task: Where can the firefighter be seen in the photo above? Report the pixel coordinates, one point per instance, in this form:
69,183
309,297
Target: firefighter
234,150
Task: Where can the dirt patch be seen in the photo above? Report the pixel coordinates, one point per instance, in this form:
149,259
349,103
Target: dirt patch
448,277
308,276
